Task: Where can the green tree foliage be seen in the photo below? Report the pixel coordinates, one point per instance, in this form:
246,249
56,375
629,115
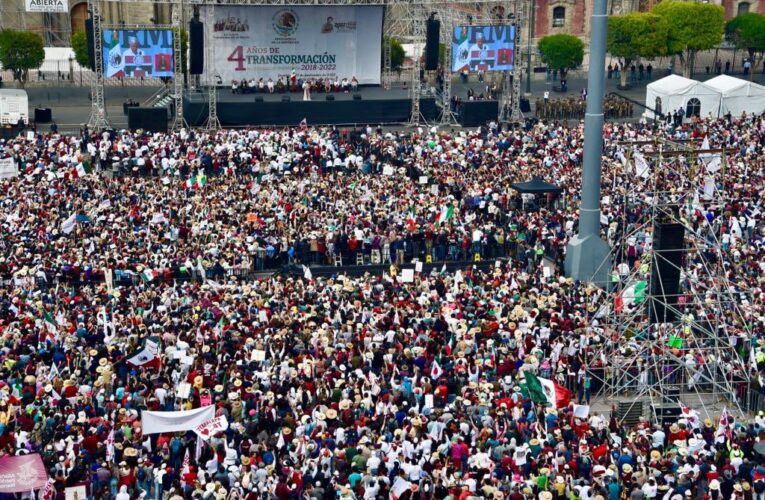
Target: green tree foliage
690,27
633,36
80,48
561,52
397,54
184,51
747,32
21,51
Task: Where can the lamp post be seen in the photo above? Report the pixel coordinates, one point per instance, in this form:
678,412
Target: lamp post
588,256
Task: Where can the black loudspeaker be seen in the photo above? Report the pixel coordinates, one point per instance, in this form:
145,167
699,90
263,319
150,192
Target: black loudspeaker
329,97
285,98
356,97
431,44
43,115
665,272
196,48
259,98
151,119
89,36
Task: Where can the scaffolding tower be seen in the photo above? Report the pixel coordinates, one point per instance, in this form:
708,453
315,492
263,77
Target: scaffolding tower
692,355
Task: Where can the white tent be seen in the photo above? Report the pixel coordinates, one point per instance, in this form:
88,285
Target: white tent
738,95
675,91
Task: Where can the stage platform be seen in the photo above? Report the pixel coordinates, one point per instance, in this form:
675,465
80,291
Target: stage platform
370,105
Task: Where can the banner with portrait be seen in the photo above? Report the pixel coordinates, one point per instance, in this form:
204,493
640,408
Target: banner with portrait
483,48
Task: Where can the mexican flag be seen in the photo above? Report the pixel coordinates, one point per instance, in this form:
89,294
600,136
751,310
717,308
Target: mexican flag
114,64
83,169
196,181
147,275
447,213
50,325
546,392
633,294
148,355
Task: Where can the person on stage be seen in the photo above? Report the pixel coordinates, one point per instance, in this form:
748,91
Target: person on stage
307,90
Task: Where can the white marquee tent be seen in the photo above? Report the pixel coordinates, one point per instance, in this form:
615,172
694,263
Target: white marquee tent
675,91
738,95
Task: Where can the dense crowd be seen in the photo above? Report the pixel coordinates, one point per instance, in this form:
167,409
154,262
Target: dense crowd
348,387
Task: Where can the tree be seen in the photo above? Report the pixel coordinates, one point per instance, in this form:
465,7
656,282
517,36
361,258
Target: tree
184,51
80,48
561,52
690,27
21,51
397,54
747,32
633,36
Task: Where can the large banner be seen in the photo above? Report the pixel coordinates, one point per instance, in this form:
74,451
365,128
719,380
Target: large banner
483,48
315,42
137,53
157,422
22,473
47,5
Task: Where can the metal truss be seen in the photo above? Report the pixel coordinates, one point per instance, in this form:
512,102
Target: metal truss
98,119
212,123
510,100
690,360
418,32
179,121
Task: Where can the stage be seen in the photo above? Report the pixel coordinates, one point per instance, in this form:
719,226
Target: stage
369,105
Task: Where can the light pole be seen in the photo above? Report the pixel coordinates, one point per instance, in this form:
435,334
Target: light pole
588,256
532,14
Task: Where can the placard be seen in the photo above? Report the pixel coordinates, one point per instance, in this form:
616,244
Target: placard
30,135
184,390
429,400
8,168
407,275
418,266
423,179
388,170
258,355
79,492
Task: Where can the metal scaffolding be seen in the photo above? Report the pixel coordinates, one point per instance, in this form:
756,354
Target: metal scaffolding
98,119
212,122
689,359
179,121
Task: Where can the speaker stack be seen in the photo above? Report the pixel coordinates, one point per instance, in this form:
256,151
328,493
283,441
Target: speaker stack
90,37
665,272
151,119
196,47
431,44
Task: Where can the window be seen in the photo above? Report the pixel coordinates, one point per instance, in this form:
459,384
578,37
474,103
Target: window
559,17
693,107
743,8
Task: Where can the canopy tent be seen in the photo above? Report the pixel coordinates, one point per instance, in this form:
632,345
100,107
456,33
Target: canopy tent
738,95
536,186
675,91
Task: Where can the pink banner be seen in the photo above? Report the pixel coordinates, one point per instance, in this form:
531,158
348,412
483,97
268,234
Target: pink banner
22,473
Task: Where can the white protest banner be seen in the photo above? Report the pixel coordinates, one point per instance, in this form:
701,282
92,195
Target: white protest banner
388,170
208,428
418,266
156,422
47,5
8,168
